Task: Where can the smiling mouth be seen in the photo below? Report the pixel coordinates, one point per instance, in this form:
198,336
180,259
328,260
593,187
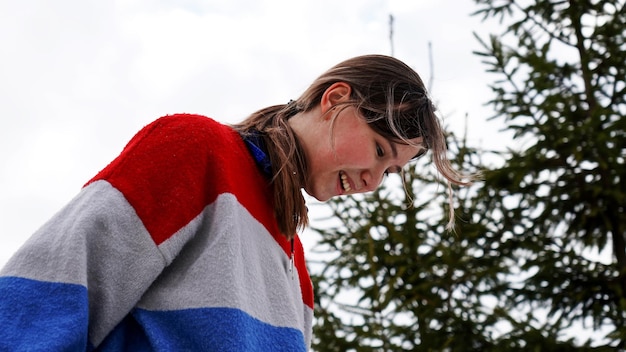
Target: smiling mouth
344,182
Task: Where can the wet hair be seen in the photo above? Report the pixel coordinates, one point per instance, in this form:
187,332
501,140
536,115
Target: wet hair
389,95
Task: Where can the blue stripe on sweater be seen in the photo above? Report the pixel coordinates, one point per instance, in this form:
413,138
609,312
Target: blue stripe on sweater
48,316
202,329
42,316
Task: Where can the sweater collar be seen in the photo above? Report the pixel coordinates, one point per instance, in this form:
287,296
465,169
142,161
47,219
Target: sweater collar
256,145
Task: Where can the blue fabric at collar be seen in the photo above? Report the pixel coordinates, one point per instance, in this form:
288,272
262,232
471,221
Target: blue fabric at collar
257,147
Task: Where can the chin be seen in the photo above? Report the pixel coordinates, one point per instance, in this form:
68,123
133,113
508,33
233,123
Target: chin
321,198
318,197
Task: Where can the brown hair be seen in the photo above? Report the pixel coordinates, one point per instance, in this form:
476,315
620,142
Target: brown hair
390,96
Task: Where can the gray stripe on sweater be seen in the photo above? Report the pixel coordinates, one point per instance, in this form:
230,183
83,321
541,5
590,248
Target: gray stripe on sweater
239,265
97,241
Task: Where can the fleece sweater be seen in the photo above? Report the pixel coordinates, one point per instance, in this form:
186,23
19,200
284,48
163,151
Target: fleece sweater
174,246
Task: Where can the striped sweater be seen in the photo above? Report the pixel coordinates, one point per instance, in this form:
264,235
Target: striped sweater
172,247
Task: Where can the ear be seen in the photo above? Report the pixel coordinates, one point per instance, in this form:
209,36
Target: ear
338,92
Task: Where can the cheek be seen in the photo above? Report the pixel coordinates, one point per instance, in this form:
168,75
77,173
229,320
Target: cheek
351,154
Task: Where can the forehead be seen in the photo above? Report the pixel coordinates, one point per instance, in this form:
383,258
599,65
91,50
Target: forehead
380,127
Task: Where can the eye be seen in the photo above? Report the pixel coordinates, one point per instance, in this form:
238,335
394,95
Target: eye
380,151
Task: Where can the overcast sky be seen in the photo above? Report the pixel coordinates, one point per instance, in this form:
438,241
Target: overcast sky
78,78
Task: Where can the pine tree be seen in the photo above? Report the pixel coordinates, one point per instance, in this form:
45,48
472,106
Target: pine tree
523,266
560,87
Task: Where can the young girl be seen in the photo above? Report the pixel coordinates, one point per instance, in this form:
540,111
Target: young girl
187,241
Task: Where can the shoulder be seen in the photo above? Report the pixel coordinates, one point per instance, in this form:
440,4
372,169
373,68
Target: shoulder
189,123
188,119
176,142
190,130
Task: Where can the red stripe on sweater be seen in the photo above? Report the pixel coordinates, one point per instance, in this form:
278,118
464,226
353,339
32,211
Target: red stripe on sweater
177,165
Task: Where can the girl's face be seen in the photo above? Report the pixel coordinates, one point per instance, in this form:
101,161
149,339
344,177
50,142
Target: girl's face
346,156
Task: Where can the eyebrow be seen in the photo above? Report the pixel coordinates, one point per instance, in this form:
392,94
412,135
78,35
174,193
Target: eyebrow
394,151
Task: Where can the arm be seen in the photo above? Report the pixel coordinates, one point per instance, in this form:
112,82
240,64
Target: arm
83,271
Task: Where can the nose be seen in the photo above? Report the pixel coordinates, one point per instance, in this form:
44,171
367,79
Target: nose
371,179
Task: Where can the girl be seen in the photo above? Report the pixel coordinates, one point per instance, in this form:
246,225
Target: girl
187,241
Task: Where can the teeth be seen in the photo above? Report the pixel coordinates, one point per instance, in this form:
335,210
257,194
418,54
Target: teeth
345,183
